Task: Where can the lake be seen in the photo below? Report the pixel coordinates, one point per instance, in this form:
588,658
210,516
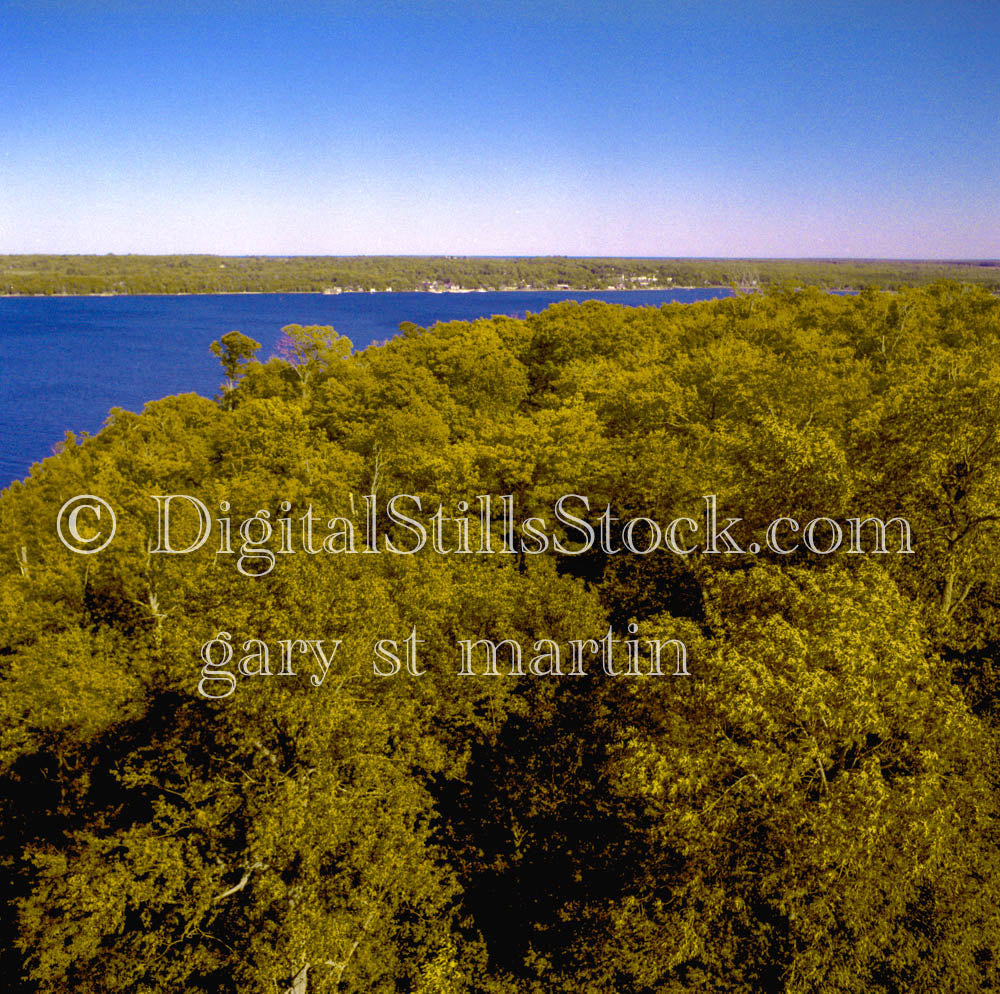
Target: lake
66,361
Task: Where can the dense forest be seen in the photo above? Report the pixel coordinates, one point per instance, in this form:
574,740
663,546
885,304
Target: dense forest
125,274
813,808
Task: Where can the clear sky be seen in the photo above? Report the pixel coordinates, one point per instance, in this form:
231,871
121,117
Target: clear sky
865,129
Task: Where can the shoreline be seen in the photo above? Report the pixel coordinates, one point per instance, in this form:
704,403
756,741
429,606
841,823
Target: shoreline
363,293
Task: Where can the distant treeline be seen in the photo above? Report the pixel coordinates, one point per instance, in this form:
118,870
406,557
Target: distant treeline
128,274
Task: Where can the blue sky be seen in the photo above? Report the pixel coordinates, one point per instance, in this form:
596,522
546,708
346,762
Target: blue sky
662,129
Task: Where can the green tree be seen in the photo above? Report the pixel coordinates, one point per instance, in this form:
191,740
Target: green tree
234,351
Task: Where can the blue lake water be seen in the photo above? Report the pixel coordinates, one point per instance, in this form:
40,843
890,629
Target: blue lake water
66,361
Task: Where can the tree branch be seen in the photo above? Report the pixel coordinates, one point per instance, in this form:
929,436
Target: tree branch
236,888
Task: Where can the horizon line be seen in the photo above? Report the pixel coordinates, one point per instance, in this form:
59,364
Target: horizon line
983,261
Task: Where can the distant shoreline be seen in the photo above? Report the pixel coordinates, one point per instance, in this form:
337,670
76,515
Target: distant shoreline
155,276
365,293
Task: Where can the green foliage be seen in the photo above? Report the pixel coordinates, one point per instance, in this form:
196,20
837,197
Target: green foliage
234,351
813,808
118,274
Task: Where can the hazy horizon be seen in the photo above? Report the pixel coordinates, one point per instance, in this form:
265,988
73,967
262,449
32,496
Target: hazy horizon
972,260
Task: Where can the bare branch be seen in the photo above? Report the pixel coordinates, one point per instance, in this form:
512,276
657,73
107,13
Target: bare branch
236,888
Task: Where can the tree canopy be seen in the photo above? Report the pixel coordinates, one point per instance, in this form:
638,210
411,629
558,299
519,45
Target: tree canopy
813,807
